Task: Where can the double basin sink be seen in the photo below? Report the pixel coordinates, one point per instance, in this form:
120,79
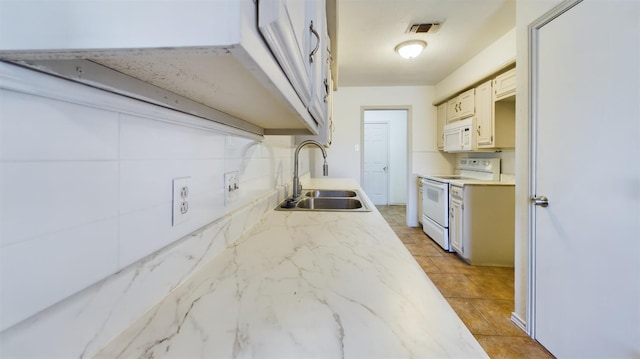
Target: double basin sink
325,200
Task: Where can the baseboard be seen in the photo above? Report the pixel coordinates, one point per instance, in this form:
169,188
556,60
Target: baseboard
515,319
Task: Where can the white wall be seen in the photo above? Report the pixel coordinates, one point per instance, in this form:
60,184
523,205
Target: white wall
526,13
87,192
424,157
490,60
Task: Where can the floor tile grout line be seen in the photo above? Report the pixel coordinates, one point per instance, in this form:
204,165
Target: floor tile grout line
506,346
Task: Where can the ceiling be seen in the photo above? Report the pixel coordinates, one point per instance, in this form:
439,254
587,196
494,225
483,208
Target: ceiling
369,30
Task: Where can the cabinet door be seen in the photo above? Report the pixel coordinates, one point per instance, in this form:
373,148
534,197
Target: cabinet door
455,226
453,110
484,115
420,194
467,103
504,85
286,28
319,58
441,121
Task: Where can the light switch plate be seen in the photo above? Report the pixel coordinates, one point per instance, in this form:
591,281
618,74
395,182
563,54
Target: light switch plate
181,200
231,186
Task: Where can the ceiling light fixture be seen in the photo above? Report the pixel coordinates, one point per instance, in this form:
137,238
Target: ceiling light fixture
410,49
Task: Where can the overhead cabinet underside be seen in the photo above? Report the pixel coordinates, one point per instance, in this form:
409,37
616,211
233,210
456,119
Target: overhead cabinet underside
204,58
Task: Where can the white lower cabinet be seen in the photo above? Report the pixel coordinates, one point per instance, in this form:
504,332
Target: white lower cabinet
420,199
456,229
482,223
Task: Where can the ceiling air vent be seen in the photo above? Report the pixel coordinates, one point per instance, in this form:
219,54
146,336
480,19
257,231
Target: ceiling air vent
423,28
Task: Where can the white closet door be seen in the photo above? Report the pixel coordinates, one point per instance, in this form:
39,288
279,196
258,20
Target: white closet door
587,162
376,162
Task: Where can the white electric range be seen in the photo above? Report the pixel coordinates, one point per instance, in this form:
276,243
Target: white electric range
435,194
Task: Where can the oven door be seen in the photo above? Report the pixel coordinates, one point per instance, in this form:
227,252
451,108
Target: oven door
435,201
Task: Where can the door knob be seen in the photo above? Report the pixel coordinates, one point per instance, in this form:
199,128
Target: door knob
541,201
385,168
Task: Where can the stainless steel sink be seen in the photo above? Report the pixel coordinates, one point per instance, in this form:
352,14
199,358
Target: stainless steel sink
326,200
330,193
329,203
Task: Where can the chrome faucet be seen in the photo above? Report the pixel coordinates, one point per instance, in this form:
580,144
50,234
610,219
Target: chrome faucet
297,187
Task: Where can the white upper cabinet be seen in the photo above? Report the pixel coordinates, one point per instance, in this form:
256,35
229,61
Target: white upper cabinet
461,106
484,114
492,103
290,34
323,103
441,122
207,58
504,85
296,32
495,119
320,61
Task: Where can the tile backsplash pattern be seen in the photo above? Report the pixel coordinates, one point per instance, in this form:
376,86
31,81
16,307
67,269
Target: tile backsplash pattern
84,323
87,192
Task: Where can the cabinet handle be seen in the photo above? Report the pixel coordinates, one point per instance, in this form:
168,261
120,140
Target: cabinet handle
326,90
313,52
478,130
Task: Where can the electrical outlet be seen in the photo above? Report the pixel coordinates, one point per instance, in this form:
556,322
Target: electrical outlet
231,186
181,198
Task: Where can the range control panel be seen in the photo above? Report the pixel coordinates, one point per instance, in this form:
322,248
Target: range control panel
480,164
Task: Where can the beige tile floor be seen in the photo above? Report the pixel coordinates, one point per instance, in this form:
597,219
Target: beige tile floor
481,296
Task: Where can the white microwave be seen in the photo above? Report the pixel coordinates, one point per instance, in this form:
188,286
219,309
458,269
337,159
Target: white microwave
460,136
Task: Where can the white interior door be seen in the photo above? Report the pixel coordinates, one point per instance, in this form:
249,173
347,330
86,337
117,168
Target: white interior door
586,131
376,162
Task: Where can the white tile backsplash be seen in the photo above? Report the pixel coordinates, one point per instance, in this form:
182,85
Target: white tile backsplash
146,183
87,192
238,148
508,162
40,198
143,232
85,322
143,138
35,128
432,163
42,271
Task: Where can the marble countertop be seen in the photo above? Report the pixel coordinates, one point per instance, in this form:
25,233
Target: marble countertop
472,182
506,180
305,285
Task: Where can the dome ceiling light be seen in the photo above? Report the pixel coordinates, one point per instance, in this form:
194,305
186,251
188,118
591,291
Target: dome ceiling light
410,49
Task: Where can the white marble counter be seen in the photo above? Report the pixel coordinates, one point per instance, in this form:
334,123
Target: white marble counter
301,285
472,182
505,180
